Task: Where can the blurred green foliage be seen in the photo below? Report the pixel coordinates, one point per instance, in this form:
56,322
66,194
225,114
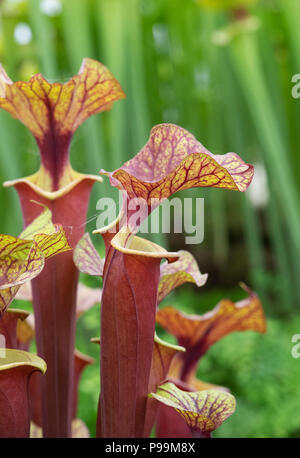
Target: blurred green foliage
225,75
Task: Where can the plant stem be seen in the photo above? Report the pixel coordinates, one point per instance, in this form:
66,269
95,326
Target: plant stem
54,302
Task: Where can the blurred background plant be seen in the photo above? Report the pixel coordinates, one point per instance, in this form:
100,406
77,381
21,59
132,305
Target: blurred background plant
223,70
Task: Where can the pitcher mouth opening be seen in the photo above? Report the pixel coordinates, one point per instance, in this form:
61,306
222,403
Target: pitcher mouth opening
52,195
127,243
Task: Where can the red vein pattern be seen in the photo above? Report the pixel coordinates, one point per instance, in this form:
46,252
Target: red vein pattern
226,317
44,107
185,269
197,333
19,260
173,160
53,111
203,411
22,260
